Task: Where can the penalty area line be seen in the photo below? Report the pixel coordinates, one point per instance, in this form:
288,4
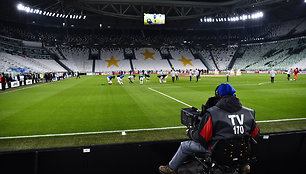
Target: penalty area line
130,130
170,97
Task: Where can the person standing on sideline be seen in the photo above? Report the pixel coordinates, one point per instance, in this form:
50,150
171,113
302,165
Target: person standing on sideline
227,75
296,71
190,73
173,75
176,75
272,75
197,73
289,74
78,75
3,81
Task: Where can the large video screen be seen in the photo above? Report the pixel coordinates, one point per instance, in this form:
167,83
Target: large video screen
154,19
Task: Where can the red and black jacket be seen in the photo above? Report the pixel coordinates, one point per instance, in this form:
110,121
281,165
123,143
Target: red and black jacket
226,119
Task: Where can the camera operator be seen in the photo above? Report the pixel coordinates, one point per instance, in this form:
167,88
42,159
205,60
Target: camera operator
223,117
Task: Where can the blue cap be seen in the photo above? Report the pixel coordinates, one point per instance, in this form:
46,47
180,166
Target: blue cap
226,89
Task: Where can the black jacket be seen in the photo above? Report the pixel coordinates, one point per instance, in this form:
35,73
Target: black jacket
226,119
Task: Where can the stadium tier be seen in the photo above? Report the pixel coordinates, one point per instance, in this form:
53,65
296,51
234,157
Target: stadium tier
149,59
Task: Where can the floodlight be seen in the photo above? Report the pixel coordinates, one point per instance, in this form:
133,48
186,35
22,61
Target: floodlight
27,9
201,20
20,7
84,17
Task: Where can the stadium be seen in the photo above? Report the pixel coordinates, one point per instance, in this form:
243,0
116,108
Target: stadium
91,85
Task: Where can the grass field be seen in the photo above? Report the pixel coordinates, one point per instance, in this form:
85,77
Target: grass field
89,104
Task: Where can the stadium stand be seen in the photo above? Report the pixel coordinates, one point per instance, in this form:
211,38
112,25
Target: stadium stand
223,56
77,59
112,59
33,65
149,59
205,53
183,59
279,55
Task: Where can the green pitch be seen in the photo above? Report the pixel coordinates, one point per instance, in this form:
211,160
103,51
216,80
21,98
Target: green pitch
89,104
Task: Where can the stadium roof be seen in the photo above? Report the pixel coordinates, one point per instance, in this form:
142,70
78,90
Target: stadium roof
129,13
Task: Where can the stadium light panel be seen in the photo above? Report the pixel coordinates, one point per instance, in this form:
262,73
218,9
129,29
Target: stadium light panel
20,7
27,9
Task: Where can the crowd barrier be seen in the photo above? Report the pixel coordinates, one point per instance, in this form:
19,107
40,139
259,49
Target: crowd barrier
276,153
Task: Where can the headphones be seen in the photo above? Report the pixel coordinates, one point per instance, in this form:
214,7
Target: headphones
217,92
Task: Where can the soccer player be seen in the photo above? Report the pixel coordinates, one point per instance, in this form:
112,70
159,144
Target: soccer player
296,71
147,76
190,74
131,78
78,75
119,78
109,79
173,75
288,74
141,79
272,75
162,78
197,73
227,75
176,75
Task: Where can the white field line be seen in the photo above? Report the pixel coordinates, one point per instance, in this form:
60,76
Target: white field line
170,97
14,90
129,130
31,86
89,133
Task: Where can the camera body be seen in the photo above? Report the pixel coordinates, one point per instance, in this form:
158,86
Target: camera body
190,116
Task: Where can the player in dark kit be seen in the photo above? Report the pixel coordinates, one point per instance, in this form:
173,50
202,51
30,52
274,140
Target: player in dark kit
131,78
225,117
